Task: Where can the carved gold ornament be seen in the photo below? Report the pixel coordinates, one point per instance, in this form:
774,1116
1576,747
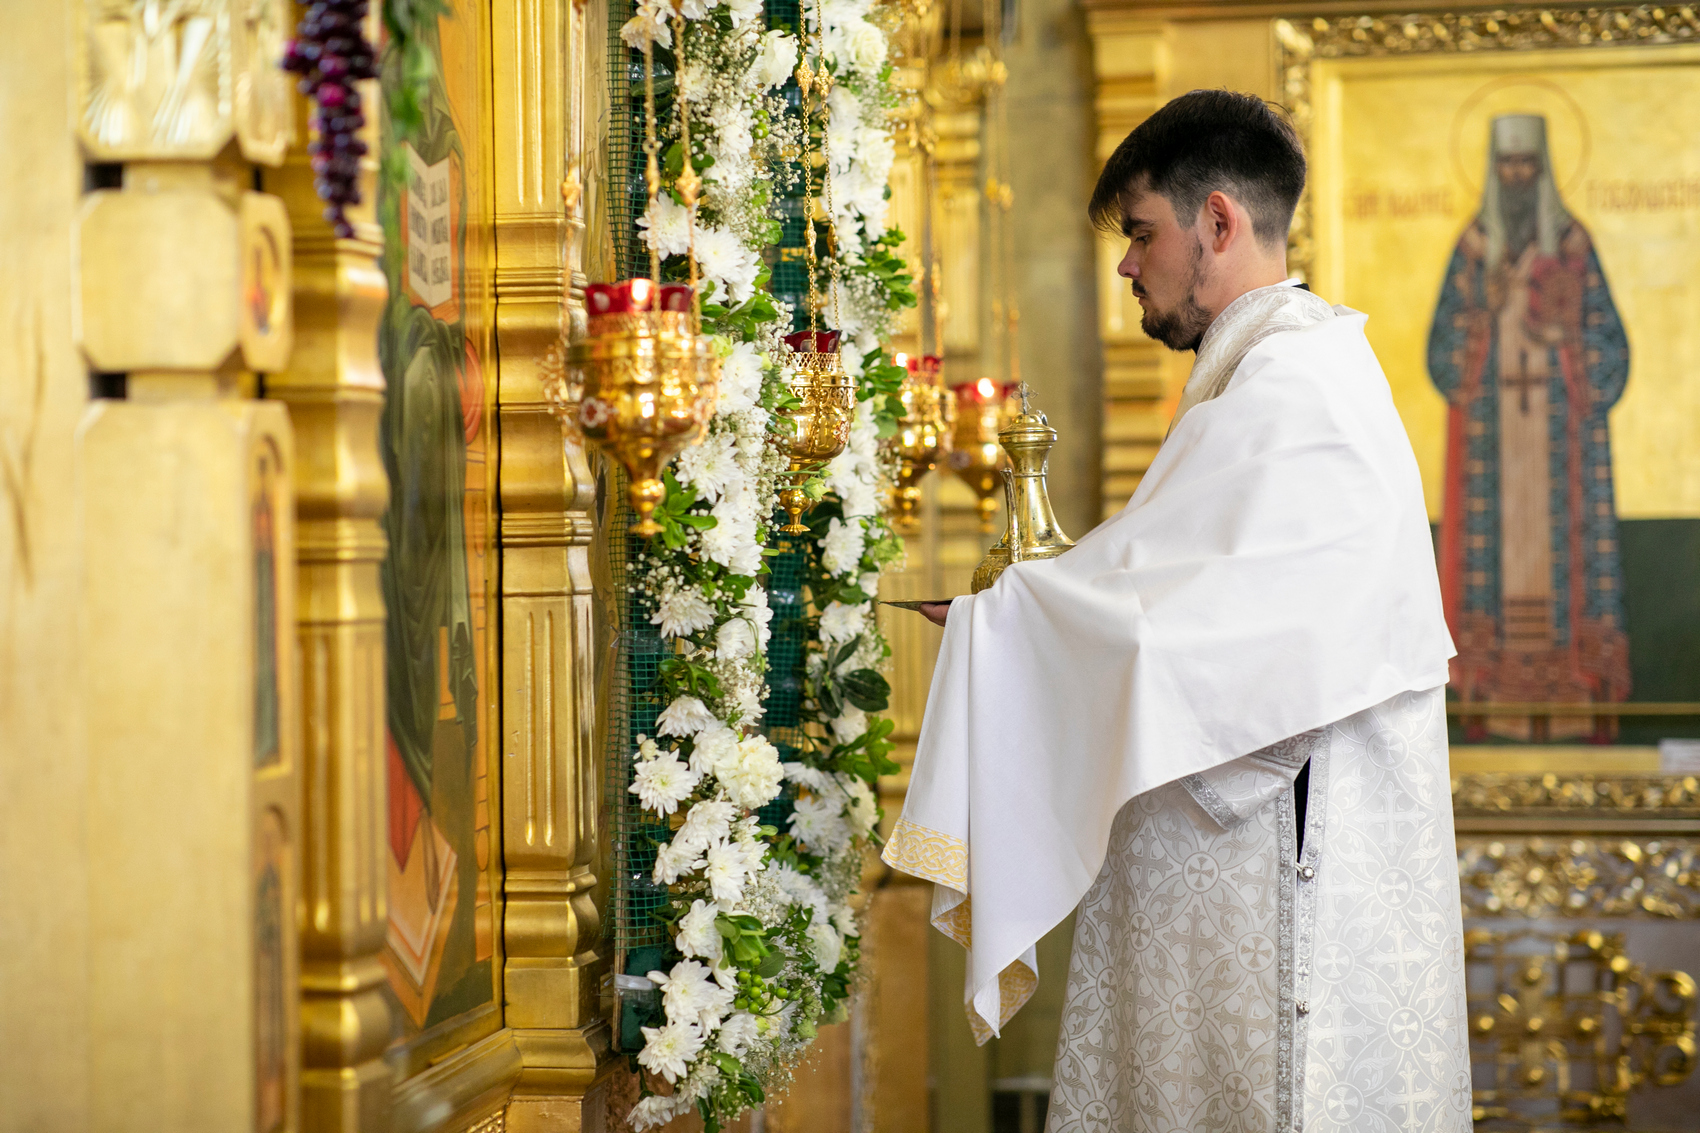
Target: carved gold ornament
1568,1023
154,78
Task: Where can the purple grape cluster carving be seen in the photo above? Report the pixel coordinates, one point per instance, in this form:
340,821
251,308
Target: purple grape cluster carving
331,54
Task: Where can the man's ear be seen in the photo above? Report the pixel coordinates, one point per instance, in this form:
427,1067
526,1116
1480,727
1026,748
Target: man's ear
1222,221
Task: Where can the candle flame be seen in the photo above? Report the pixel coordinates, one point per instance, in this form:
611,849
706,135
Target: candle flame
900,359
985,387
640,290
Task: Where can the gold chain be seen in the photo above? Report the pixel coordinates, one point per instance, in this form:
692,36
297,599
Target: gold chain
651,171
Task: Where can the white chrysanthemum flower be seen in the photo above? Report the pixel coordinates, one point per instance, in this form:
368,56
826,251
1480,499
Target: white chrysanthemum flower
735,640
755,608
732,542
698,934
844,920
711,465
706,823
811,777
662,783
754,778
657,1110
825,945
841,550
725,868
682,610
686,716
748,703
799,887
667,226
839,622
870,583
740,378
850,723
695,80
739,1033
673,861
726,259
863,809
777,60
819,825
862,499
668,1050
689,991
697,9
714,744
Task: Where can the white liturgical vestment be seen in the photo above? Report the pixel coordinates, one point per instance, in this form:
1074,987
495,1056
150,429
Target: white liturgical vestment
1118,729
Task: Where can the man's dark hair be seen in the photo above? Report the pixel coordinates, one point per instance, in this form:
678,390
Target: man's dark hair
1201,142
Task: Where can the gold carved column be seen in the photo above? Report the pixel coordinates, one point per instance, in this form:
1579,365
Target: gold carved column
334,392
551,799
192,810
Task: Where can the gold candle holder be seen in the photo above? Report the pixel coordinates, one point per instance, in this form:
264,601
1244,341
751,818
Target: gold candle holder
1033,532
641,386
922,440
975,457
821,426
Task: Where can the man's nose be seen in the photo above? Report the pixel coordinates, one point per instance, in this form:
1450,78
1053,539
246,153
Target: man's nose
1128,268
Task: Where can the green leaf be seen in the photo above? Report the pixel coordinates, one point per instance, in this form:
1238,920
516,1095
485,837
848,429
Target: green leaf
867,690
772,965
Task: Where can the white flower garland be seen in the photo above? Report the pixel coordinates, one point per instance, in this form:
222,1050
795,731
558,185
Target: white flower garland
762,918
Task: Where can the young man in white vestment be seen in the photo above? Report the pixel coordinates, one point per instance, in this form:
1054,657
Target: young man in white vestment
1118,730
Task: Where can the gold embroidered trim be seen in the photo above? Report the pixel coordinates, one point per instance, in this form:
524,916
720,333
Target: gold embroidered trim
958,923
927,854
1016,985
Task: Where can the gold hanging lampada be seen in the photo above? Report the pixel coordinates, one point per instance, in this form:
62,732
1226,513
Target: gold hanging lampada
923,437
824,396
1033,532
642,383
982,412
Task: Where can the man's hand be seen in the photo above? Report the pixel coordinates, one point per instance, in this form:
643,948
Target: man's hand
935,611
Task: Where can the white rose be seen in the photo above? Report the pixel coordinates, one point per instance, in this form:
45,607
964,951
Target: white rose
777,60
866,44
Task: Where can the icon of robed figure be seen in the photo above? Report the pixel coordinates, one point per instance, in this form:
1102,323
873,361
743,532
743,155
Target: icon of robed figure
431,664
1530,352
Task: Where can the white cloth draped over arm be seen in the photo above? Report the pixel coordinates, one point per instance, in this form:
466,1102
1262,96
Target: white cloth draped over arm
1274,573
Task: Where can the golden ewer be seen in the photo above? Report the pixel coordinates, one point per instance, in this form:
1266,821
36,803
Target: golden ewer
640,385
1032,532
821,417
923,436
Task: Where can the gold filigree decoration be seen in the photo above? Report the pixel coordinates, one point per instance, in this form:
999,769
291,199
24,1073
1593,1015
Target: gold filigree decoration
154,80
1300,43
1580,877
927,854
1568,1021
495,1123
1639,796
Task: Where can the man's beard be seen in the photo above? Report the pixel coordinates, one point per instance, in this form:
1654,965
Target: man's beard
1519,212
1182,327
